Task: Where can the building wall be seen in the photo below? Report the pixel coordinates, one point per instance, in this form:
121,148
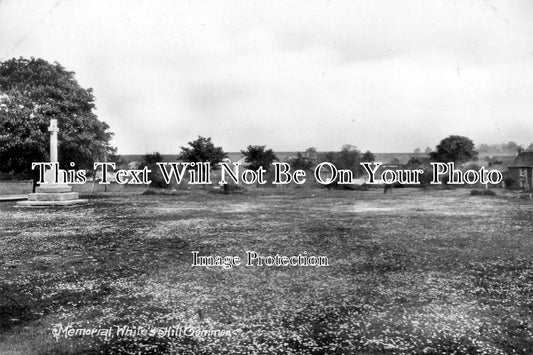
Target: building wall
514,174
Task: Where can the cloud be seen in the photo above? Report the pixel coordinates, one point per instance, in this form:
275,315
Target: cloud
380,75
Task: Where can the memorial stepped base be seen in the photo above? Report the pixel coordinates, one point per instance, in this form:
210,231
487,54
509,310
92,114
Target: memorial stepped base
53,195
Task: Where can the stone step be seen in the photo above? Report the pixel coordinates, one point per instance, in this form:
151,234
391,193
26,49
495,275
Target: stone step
53,188
51,203
56,196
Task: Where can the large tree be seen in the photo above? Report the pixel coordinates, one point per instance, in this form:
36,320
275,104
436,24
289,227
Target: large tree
32,92
257,156
150,160
348,158
202,150
457,149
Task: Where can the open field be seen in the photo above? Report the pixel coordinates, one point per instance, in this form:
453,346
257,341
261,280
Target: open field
413,271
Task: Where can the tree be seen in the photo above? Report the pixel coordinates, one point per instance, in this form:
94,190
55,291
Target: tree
414,162
330,157
509,147
150,160
368,157
484,148
417,150
512,147
395,161
427,150
348,158
300,162
311,150
33,91
457,149
311,154
202,150
257,156
421,163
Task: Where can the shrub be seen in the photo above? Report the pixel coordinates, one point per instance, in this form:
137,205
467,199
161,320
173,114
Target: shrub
232,189
509,182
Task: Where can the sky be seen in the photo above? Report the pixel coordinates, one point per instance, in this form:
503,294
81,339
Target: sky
385,76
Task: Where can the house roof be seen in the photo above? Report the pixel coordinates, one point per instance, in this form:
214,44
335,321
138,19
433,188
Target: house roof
523,160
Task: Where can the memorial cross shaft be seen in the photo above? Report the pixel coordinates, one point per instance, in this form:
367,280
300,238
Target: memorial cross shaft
53,129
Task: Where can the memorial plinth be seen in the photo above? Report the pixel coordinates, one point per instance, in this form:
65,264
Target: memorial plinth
52,194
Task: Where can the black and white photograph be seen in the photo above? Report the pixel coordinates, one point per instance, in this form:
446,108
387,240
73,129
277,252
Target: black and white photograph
266,177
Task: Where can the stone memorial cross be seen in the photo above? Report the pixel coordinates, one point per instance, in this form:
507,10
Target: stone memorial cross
52,192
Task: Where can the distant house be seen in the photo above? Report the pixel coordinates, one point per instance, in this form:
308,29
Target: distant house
521,171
